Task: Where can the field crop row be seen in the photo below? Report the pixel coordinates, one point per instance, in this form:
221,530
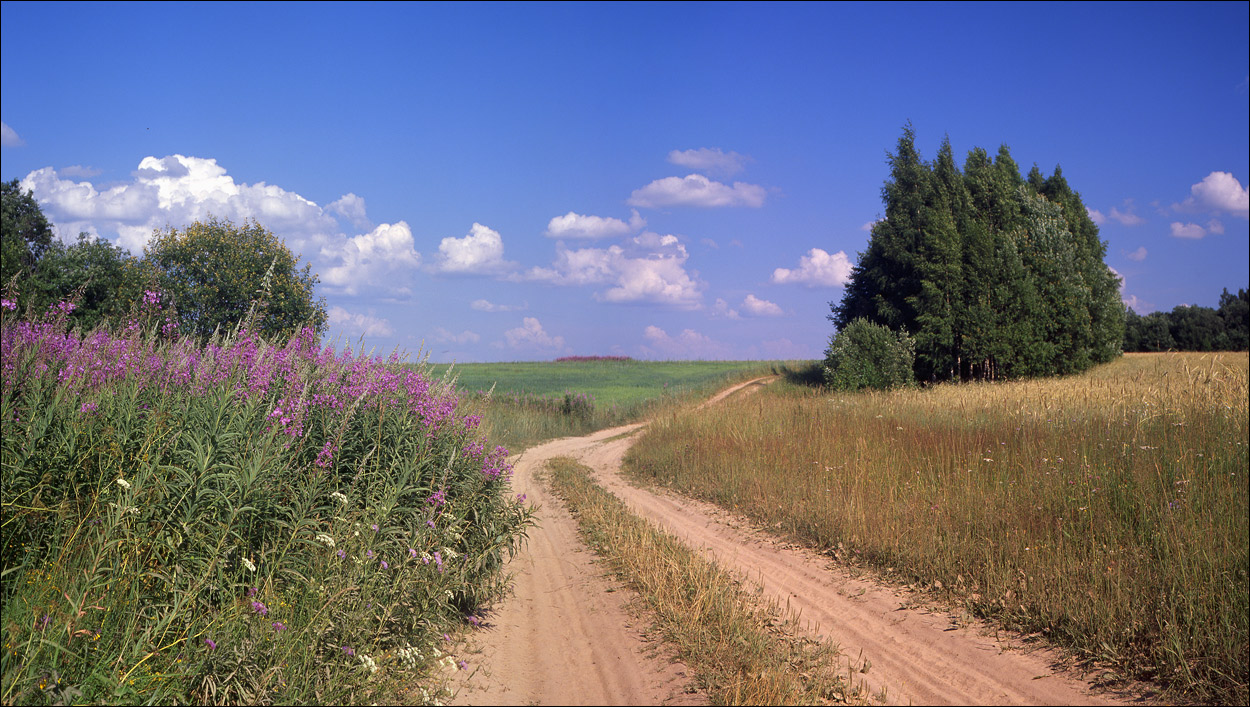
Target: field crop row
1106,511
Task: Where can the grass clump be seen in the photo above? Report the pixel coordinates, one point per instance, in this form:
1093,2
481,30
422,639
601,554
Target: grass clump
241,522
742,649
1107,511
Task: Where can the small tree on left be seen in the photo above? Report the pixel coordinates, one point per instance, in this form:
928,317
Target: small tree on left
216,272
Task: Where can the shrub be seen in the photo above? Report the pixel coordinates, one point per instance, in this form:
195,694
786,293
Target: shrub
867,355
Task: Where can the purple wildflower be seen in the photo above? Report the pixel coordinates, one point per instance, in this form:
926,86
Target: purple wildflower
385,566
251,592
348,650
375,527
369,554
212,645
279,626
341,554
463,665
260,608
412,553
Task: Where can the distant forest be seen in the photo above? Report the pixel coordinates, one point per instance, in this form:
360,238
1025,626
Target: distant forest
1192,328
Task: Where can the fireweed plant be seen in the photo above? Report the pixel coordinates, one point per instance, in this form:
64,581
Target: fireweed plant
236,522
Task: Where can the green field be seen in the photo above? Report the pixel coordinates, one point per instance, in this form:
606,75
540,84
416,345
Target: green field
622,383
536,401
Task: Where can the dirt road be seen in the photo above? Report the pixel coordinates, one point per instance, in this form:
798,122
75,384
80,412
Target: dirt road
566,638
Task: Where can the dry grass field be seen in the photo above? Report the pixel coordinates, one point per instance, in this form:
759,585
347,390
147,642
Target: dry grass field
1106,511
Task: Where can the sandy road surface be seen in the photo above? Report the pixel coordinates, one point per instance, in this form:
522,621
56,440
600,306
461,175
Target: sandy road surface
565,638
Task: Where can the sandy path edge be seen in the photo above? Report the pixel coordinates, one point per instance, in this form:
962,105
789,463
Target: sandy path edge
564,637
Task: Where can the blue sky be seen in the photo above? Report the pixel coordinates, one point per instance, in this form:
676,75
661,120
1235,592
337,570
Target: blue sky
520,182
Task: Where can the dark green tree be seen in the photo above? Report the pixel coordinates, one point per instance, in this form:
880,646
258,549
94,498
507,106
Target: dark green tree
1235,311
1156,334
104,280
1197,328
24,233
216,271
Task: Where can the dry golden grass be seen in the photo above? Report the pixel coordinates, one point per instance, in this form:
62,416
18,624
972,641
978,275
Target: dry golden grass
1107,511
742,649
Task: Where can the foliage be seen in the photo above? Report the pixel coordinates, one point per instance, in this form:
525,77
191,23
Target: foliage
104,281
867,355
239,522
24,231
1192,328
214,271
993,276
1108,512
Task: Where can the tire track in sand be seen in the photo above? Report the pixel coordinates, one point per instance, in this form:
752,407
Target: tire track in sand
565,638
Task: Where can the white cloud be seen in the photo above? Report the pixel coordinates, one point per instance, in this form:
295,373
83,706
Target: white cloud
1138,255
1126,217
1222,191
817,269
479,252
722,309
710,160
710,243
8,136
867,228
482,305
574,225
77,170
650,268
760,307
356,324
177,190
1187,230
369,259
696,190
532,337
1096,216
352,208
688,344
1136,304
444,336
1215,226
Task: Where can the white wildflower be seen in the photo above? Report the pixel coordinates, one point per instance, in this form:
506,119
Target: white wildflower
338,497
450,554
248,564
124,484
368,663
325,539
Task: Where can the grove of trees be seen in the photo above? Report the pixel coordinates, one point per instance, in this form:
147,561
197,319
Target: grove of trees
1192,327
212,273
992,274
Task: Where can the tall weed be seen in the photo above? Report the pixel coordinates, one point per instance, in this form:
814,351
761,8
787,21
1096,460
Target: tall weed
238,522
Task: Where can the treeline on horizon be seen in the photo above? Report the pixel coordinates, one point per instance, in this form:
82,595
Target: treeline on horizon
1192,327
991,274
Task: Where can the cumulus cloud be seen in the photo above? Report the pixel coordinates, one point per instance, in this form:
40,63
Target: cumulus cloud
8,136
480,252
696,190
482,305
1096,216
356,324
1187,230
1138,255
722,309
711,160
1220,191
574,225
531,336
688,344
352,208
1215,226
817,269
649,268
177,190
444,336
370,258
757,307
